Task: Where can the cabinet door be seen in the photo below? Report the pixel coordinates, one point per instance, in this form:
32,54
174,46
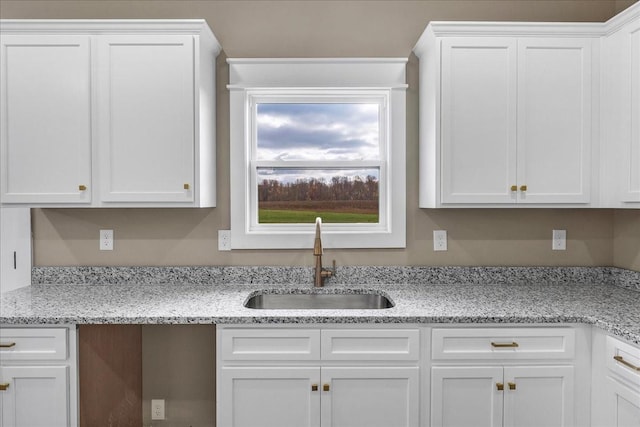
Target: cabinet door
45,136
478,120
37,396
269,397
466,396
370,397
554,120
625,404
632,162
146,118
538,396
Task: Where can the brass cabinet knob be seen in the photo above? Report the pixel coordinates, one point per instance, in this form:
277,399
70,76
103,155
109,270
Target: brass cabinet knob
523,188
314,387
500,386
514,188
186,186
82,187
325,387
512,386
7,345
4,386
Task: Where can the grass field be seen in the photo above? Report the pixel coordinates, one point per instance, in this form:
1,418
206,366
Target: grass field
306,211
275,216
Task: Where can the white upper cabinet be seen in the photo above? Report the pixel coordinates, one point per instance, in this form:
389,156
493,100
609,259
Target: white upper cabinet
505,120
554,120
45,119
122,114
146,114
620,112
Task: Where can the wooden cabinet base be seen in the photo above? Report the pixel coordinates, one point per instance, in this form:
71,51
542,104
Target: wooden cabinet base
110,372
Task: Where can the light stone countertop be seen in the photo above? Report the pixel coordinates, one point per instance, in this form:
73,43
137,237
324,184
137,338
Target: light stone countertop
611,308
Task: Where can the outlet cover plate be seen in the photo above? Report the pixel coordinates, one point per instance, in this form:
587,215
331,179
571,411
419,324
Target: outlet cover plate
439,240
224,240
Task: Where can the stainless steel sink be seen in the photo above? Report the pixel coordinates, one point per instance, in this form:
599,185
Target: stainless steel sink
318,301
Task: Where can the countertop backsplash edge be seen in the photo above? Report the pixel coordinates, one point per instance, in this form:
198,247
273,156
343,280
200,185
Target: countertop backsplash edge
346,275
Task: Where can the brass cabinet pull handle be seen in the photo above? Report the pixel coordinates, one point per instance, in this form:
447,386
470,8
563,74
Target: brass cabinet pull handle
4,386
500,386
523,188
325,387
627,364
514,188
512,386
8,345
186,186
82,187
504,345
314,387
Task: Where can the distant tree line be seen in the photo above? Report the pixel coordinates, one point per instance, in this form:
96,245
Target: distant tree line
339,188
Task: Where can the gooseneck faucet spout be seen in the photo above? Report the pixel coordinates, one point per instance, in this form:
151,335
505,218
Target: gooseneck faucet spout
320,273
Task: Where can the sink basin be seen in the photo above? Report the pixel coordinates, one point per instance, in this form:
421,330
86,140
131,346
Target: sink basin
318,301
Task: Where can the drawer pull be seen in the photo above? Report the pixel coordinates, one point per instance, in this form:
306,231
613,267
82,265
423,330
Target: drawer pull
4,386
185,186
500,386
514,188
504,345
9,345
325,387
314,387
523,188
82,187
625,363
512,386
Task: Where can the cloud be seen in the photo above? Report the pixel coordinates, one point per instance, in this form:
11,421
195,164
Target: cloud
327,131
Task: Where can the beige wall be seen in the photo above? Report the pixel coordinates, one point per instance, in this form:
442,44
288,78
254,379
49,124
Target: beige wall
626,239
324,28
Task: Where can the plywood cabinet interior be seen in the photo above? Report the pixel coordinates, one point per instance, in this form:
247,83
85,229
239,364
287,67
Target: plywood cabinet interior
121,114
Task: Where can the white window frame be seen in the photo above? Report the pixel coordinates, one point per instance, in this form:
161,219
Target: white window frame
381,81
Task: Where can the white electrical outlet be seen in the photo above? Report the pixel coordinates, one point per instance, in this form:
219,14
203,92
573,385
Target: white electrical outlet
439,240
559,240
224,240
157,409
106,240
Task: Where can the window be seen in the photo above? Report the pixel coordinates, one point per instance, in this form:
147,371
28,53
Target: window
317,138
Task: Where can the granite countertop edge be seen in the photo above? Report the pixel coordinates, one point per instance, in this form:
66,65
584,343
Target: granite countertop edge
611,308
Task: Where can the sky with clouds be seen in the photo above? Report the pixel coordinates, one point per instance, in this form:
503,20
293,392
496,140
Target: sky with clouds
328,131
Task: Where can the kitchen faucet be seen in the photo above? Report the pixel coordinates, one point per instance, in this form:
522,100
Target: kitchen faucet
321,273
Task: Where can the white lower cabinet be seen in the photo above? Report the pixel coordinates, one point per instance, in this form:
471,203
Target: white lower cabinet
495,396
360,378
616,382
38,377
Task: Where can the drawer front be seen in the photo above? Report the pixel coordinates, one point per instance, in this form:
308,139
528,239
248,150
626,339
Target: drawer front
624,360
503,343
358,344
270,344
18,344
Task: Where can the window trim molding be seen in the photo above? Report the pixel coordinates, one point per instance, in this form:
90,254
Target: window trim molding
250,78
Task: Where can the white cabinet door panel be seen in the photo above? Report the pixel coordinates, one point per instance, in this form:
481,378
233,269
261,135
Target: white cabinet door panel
538,396
478,120
632,168
466,396
269,397
370,397
46,141
37,396
146,118
554,120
